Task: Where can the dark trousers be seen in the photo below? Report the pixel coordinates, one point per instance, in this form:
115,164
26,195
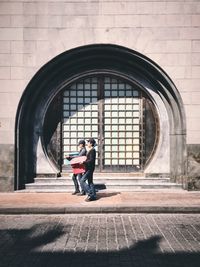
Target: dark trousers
76,184
87,183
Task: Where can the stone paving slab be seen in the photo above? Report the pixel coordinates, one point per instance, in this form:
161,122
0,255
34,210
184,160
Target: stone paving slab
100,240
107,202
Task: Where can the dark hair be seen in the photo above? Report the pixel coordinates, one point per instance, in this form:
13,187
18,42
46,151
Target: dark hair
81,142
91,141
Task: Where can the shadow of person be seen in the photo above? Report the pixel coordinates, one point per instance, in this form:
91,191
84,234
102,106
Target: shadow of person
105,195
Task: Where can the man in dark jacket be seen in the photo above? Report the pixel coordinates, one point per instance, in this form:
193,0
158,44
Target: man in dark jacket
82,152
89,166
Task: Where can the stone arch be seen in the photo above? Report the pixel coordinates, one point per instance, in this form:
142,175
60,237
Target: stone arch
31,158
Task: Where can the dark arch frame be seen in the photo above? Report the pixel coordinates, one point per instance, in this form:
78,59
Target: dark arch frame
67,67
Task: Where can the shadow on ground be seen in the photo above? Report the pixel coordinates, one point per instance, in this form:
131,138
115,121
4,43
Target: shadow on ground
106,195
30,248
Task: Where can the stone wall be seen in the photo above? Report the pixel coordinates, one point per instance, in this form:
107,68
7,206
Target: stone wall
6,167
32,32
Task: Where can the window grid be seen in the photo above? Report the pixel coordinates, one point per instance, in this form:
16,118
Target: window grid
80,114
122,124
123,127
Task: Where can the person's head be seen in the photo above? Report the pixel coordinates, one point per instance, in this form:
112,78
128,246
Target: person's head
91,142
81,143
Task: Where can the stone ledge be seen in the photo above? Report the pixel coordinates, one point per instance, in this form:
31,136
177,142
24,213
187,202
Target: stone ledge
123,209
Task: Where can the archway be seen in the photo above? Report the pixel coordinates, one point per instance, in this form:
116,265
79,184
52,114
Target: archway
32,158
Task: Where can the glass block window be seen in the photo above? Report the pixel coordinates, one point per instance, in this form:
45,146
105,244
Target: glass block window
80,114
122,119
112,111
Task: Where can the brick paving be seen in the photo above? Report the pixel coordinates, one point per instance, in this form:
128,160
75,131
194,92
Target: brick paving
116,240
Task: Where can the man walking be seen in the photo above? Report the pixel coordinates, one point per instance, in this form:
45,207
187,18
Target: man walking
90,166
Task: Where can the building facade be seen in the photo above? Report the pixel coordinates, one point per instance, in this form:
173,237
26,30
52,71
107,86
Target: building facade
124,72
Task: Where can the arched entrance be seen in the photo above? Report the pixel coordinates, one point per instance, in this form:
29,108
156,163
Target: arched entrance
122,98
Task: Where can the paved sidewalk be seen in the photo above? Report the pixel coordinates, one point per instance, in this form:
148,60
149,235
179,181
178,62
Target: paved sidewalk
160,201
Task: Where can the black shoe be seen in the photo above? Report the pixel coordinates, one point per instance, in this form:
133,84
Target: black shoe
76,193
88,199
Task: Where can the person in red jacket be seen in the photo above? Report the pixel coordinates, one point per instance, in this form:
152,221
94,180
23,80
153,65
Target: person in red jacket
82,152
87,179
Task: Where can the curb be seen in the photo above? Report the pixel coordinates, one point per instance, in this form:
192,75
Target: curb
97,210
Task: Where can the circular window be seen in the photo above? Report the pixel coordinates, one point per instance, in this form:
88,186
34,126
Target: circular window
114,111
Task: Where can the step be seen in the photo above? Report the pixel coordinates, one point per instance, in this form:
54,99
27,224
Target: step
116,186
115,174
109,181
106,180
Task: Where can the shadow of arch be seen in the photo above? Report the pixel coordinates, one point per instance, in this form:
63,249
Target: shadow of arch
25,248
68,67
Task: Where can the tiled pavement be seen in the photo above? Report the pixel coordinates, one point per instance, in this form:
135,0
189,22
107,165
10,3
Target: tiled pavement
114,240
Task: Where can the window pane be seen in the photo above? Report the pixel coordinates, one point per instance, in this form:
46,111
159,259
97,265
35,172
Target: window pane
114,155
66,93
107,155
114,127
107,161
121,93
80,121
107,148
66,114
115,162
136,134
107,127
74,148
73,120
136,128
136,155
94,134
121,134
87,127
107,86
94,86
114,141
73,128
94,107
121,121
107,93
66,141
114,134
128,155
136,162
87,134
108,141
73,134
129,162
66,134
136,141
136,148
121,148
121,161
79,86
80,127
94,127
114,148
